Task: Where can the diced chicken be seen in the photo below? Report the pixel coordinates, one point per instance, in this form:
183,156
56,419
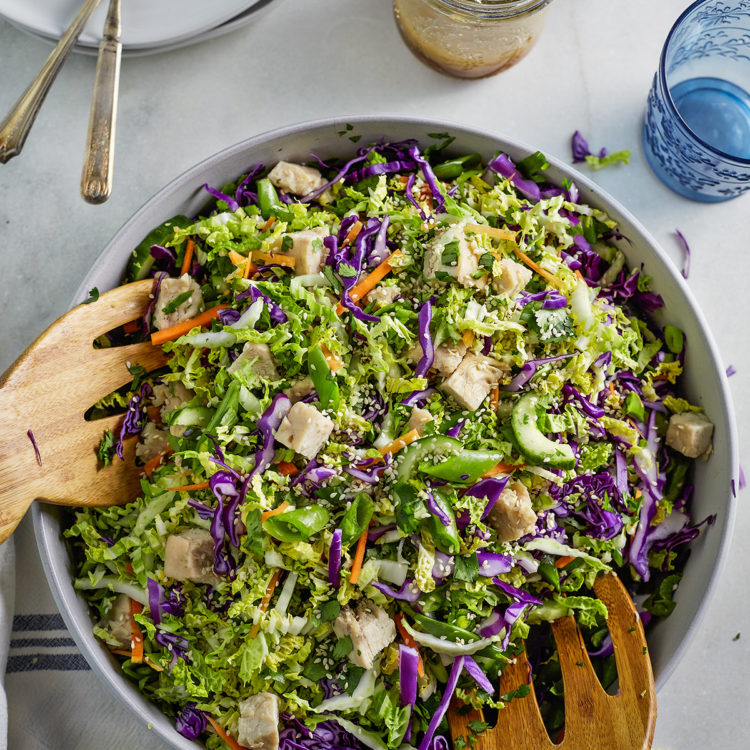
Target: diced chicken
170,290
117,621
418,419
171,396
152,442
512,279
300,389
189,556
370,629
304,429
264,365
512,516
450,252
473,379
382,295
258,726
306,248
447,357
296,178
690,433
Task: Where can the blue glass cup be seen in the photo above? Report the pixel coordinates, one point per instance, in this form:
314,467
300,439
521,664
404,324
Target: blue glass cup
696,133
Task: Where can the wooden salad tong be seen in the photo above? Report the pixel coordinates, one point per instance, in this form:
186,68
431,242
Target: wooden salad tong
594,720
43,399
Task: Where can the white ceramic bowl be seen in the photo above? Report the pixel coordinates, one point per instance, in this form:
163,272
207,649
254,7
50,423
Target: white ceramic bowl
705,381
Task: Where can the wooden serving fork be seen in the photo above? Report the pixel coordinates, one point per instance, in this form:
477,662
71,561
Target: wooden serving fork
43,399
594,720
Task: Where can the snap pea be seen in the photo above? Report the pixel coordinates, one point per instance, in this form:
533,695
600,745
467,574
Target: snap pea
323,378
464,466
410,457
453,168
226,414
550,573
191,416
297,525
356,518
634,406
268,199
140,262
674,339
445,536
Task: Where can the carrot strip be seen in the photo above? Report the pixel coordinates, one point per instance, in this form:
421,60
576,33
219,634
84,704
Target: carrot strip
635,427
579,276
409,641
188,487
275,512
269,223
188,257
287,469
400,442
359,556
174,332
468,338
132,327
236,257
136,650
501,468
266,600
146,660
333,361
370,281
351,235
494,398
233,744
561,562
278,259
154,463
499,232
536,267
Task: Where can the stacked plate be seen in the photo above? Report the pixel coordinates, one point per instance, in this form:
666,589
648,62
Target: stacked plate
147,26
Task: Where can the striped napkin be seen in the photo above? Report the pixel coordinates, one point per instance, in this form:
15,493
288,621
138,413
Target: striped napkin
52,700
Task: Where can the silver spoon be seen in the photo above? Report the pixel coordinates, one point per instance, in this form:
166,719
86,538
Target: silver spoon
98,165
15,127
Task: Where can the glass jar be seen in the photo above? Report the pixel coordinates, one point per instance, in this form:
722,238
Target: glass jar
470,38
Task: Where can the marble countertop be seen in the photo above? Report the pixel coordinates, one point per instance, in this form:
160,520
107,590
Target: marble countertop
304,60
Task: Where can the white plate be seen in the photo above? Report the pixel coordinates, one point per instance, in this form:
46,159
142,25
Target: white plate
145,23
237,22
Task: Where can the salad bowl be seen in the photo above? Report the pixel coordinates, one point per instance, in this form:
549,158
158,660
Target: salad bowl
704,381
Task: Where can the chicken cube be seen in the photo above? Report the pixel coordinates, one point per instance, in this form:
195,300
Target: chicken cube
258,726
189,556
512,515
447,357
170,291
382,295
296,178
450,252
306,248
512,279
263,363
304,429
473,379
171,396
300,389
690,433
117,621
153,441
370,629
418,419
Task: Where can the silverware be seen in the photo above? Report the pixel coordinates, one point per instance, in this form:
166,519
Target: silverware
15,127
96,179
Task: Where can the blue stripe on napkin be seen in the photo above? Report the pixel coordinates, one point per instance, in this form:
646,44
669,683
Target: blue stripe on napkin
41,642
38,622
42,662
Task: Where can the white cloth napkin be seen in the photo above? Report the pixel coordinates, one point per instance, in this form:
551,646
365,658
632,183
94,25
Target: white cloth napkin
52,700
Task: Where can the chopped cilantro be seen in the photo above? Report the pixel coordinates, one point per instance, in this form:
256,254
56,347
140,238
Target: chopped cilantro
137,371
106,450
342,648
466,569
93,296
172,305
329,610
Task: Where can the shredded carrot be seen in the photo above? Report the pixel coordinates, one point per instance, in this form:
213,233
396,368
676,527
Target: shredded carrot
468,338
188,257
136,650
500,233
128,567
370,281
359,556
409,641
275,512
269,223
351,235
174,332
635,427
287,469
494,398
400,442
132,327
501,468
579,276
266,600
244,261
188,487
638,495
154,463
279,259
561,562
536,267
122,652
233,744
333,361
236,258
612,388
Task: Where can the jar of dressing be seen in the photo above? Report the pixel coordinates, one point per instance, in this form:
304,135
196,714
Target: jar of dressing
470,38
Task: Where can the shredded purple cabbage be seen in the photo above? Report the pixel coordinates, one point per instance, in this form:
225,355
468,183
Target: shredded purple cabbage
493,564
165,259
135,417
232,204
275,312
155,593
334,559
425,340
408,662
685,270
267,425
409,591
437,717
503,166
38,455
478,675
191,722
490,488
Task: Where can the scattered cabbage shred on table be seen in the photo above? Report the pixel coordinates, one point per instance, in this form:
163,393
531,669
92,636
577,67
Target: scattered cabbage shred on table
413,406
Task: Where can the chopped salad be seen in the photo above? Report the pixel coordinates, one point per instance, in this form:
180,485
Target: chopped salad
414,404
